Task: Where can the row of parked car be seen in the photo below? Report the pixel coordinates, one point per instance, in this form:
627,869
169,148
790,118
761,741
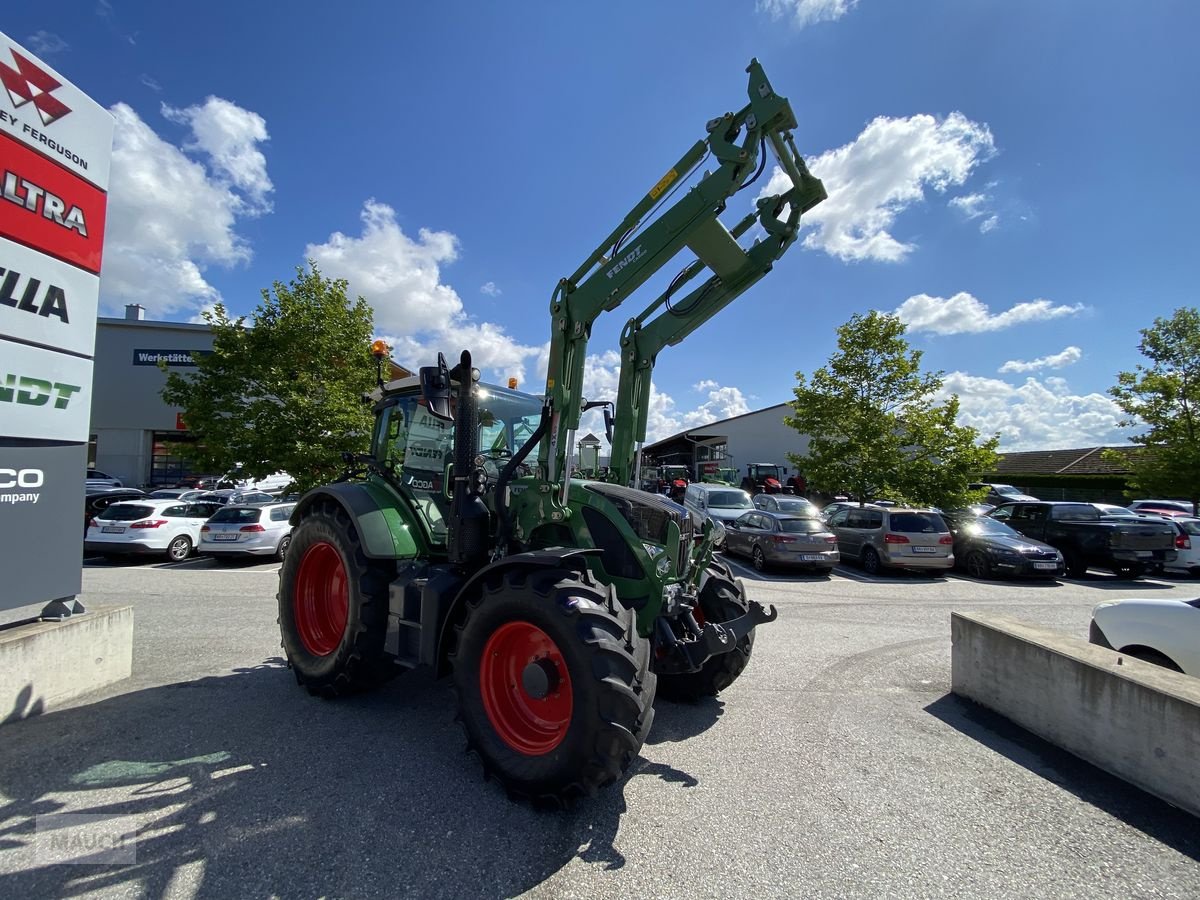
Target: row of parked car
1026,538
176,523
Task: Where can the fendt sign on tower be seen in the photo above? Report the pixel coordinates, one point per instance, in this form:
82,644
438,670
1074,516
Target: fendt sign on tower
55,147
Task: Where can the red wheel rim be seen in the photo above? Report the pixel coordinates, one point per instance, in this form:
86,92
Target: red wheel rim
322,600
529,724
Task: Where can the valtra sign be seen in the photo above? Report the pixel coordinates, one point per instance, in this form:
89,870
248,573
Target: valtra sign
55,146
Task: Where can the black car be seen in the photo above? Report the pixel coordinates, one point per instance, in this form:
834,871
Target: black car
987,548
98,499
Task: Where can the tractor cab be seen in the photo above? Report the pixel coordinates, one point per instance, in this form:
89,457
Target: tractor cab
764,478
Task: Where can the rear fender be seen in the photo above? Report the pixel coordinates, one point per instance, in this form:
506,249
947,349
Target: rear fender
384,525
571,558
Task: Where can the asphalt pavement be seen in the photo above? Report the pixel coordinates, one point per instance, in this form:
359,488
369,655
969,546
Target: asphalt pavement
838,765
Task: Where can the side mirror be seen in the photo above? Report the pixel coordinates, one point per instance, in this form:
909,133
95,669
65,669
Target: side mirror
435,389
608,422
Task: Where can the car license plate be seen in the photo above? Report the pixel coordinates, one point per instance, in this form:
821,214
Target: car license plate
811,557
113,529
1045,565
224,537
924,550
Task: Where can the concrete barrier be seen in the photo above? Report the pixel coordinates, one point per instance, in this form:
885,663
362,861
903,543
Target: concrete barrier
1136,720
43,664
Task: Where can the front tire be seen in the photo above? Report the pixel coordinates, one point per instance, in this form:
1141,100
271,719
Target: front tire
721,600
978,565
554,686
333,605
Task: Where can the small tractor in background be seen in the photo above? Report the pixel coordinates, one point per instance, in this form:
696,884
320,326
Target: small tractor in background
674,480
559,606
764,478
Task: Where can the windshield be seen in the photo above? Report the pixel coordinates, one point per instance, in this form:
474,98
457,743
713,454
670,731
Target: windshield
730,500
126,512
236,514
801,526
793,505
1006,490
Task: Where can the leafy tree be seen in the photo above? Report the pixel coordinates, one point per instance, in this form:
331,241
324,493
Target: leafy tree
284,394
874,429
1165,397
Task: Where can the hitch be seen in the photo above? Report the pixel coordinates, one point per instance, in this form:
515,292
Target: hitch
715,639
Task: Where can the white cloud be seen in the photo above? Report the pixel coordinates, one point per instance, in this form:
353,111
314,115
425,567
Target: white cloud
964,314
970,205
169,217
1067,357
884,171
401,278
45,43
230,136
490,289
988,224
807,12
1036,415
704,385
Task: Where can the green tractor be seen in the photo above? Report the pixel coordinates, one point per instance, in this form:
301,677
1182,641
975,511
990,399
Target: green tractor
559,606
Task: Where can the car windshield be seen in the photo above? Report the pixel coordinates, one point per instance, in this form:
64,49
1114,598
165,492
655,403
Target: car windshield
984,525
1192,526
802,526
729,500
126,512
793,504
917,523
236,514
1006,490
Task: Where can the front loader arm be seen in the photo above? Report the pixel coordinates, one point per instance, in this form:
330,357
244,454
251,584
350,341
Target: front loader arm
637,249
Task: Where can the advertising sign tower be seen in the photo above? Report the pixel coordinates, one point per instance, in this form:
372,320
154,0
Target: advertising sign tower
55,147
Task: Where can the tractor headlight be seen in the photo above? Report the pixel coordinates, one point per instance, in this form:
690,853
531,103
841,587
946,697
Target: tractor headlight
663,566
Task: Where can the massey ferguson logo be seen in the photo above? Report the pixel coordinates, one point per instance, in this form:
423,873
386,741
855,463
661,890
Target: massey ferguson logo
29,84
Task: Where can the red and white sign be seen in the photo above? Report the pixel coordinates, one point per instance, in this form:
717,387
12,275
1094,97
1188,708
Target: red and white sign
46,302
44,111
44,206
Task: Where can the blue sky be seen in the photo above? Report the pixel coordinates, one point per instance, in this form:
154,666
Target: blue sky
1017,180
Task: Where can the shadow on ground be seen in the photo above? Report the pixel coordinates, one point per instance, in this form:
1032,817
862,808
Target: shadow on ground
1120,799
246,786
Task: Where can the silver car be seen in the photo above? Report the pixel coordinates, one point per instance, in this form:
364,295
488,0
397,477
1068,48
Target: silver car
786,503
777,538
248,530
893,537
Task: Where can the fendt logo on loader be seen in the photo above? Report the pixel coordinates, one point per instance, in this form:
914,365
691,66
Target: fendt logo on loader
29,84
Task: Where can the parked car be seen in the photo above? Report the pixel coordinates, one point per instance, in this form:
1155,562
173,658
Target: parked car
893,537
103,479
1172,507
780,538
1112,511
1187,545
166,527
999,493
717,502
240,530
225,496
833,506
1127,548
797,506
987,548
1163,632
98,499
175,494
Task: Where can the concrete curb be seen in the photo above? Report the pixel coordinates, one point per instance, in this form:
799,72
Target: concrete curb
43,664
1136,720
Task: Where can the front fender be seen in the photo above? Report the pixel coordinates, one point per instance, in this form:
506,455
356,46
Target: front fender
384,526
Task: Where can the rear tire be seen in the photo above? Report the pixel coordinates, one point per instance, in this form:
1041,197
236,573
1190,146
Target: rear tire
282,549
1075,565
721,600
179,549
554,686
333,605
759,559
870,561
1130,572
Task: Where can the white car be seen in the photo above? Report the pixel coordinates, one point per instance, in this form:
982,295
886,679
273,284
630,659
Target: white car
1187,546
1163,632
167,527
244,530
96,478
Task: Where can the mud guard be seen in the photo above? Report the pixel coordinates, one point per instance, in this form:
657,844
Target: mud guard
383,527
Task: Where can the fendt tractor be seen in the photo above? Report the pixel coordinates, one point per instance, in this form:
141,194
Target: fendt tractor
557,605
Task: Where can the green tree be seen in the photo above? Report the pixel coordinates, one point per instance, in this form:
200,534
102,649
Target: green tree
874,428
1164,397
285,393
